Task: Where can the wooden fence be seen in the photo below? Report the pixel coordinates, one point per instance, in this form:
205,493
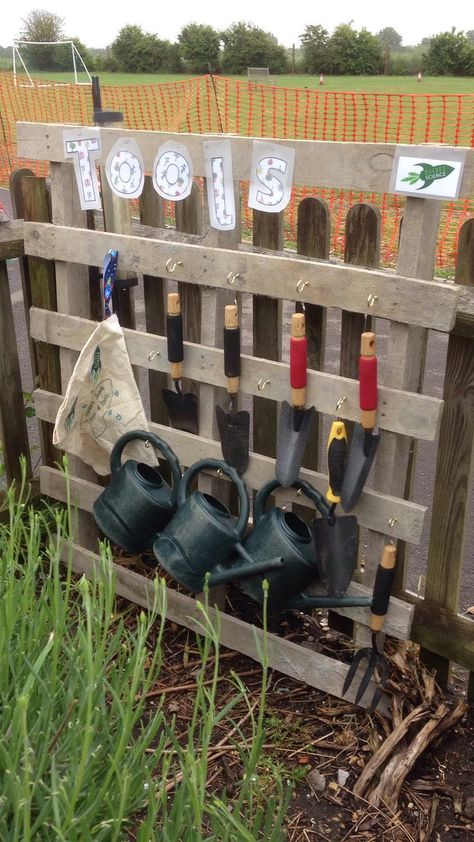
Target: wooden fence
60,279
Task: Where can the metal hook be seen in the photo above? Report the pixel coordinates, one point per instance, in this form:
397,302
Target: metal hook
148,443
262,383
372,299
340,402
153,355
392,522
300,285
232,277
299,492
170,268
219,472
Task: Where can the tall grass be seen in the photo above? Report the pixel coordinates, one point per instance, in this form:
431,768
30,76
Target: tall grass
82,756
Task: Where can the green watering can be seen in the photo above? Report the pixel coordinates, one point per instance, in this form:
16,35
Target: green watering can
284,534
203,535
138,502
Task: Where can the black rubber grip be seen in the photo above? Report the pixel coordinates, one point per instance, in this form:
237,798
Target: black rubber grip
174,334
232,352
382,590
337,453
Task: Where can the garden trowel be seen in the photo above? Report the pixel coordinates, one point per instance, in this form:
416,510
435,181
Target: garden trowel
295,421
234,426
335,537
366,436
182,409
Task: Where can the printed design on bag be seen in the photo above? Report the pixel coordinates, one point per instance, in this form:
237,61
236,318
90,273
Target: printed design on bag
98,409
96,366
70,417
428,174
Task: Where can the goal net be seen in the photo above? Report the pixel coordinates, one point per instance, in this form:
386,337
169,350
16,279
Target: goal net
46,63
259,75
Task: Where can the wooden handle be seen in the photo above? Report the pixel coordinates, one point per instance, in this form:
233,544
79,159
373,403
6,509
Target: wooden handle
367,344
298,325
174,304
231,317
176,371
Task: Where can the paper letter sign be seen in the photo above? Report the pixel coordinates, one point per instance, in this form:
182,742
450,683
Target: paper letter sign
427,172
271,176
173,172
220,186
83,146
125,170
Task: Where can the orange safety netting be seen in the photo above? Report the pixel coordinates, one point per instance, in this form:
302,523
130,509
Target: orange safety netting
215,104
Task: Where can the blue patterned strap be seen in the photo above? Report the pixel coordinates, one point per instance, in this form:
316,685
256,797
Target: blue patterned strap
109,274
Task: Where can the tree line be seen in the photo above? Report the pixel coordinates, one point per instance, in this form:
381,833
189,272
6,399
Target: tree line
201,49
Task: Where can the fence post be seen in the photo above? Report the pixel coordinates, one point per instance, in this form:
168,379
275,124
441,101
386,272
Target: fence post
32,202
12,413
454,468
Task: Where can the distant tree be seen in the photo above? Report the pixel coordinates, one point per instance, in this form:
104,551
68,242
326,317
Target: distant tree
136,51
450,54
246,45
40,25
314,43
354,53
470,35
200,47
389,37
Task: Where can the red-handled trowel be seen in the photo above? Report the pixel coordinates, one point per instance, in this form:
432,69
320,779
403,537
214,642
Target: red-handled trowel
366,436
295,421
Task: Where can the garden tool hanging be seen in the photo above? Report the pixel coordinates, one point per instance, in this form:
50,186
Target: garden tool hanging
366,436
295,421
233,424
203,535
182,408
335,537
376,659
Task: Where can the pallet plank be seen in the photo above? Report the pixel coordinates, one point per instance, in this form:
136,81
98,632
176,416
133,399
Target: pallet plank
330,285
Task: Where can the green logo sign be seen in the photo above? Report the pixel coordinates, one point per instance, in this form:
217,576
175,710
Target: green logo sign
428,174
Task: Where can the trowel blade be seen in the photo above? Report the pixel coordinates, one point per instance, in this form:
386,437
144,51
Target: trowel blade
182,410
291,443
336,552
359,462
234,433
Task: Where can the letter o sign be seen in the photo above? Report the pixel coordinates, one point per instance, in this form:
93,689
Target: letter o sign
173,172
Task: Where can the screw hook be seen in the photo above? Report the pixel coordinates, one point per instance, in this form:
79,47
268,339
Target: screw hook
170,266
262,383
300,285
340,403
372,298
392,522
153,355
232,277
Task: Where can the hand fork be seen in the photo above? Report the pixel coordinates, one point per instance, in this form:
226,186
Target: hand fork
379,608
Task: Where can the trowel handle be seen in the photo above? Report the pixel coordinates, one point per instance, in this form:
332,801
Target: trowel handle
232,348
174,334
298,353
383,587
337,453
368,381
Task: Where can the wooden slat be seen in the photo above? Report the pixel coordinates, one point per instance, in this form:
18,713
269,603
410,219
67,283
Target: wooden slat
402,412
312,668
339,165
11,239
13,430
83,494
328,284
374,510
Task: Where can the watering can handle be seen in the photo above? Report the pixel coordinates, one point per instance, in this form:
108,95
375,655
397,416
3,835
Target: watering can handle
218,464
158,444
300,484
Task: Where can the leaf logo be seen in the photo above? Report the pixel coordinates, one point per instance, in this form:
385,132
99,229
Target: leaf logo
429,174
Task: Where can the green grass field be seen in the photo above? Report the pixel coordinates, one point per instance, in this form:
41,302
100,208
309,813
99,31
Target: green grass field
368,84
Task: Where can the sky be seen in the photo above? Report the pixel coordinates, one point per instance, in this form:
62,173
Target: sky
97,24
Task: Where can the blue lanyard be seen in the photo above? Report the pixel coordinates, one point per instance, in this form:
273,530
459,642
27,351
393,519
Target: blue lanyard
109,273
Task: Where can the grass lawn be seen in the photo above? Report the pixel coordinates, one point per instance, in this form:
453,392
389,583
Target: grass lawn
367,84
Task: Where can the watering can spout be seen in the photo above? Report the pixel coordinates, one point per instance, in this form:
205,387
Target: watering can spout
244,571
306,602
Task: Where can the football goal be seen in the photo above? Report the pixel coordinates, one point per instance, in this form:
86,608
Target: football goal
46,63
259,75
